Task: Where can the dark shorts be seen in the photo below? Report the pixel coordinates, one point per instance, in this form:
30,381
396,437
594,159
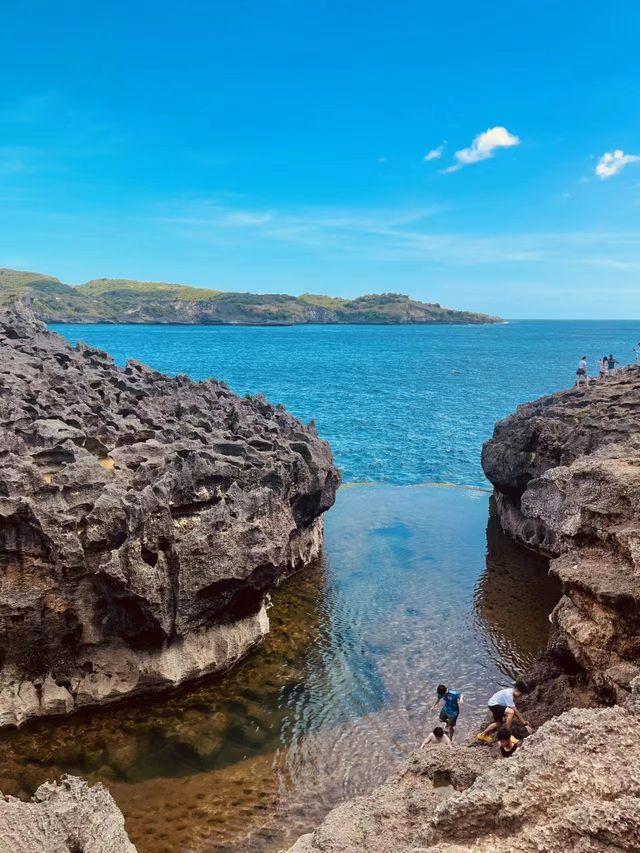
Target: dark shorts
450,719
498,712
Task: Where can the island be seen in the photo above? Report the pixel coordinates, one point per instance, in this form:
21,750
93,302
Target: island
106,300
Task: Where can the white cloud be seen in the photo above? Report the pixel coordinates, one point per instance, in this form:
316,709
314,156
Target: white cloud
403,234
483,147
613,162
435,153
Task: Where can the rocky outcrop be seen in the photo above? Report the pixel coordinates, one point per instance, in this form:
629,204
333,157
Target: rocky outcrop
143,520
67,818
573,786
388,819
566,473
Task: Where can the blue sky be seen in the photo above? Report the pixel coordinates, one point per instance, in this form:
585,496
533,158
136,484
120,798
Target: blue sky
280,147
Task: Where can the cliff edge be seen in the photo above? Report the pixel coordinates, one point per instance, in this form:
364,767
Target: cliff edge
566,477
572,786
143,519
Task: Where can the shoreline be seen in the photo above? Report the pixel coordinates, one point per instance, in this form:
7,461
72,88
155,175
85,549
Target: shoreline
427,484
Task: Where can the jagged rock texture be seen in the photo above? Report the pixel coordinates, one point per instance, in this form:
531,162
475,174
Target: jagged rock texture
67,818
566,472
142,521
573,786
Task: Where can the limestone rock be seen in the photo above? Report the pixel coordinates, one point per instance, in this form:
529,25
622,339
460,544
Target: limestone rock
143,519
566,472
573,786
61,818
388,819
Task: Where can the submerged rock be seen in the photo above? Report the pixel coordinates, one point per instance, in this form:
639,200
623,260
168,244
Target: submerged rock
566,473
143,520
69,817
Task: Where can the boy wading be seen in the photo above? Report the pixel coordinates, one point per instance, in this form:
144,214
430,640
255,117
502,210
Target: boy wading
449,712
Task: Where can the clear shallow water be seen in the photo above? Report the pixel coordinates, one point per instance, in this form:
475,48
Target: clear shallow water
399,404
406,596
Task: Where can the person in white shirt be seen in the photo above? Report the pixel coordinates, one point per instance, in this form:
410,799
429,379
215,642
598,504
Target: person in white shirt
437,736
582,377
503,709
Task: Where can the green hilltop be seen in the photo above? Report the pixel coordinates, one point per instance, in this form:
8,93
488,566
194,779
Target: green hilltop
106,300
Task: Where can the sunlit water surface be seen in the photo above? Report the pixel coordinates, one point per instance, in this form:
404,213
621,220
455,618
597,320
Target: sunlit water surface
399,404
405,597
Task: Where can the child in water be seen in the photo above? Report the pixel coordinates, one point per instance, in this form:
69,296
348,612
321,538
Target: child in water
436,736
452,699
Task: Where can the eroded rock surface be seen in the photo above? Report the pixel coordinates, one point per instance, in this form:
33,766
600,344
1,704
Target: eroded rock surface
573,786
65,818
566,472
389,818
143,519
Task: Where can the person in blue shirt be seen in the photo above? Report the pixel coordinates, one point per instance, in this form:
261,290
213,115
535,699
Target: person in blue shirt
451,708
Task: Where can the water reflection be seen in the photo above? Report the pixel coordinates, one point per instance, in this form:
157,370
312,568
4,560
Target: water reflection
403,599
514,597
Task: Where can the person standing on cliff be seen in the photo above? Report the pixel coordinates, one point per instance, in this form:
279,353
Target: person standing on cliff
449,713
611,364
582,377
503,709
603,367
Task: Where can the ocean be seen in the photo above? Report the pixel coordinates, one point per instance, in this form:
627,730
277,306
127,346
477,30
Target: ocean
399,404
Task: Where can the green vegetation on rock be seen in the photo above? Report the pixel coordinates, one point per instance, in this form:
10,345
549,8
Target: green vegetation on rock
126,301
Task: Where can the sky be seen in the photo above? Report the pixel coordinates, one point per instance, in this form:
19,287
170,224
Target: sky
484,156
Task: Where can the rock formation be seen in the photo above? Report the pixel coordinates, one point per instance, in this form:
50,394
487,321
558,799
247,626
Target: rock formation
573,786
388,819
143,520
566,473
67,818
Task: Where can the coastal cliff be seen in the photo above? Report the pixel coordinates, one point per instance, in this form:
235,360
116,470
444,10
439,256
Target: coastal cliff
566,477
565,471
125,301
143,521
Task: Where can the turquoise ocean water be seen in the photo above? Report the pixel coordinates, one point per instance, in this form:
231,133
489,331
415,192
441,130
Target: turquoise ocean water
399,404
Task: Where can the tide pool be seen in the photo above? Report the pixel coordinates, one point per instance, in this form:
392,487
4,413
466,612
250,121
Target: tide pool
415,587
